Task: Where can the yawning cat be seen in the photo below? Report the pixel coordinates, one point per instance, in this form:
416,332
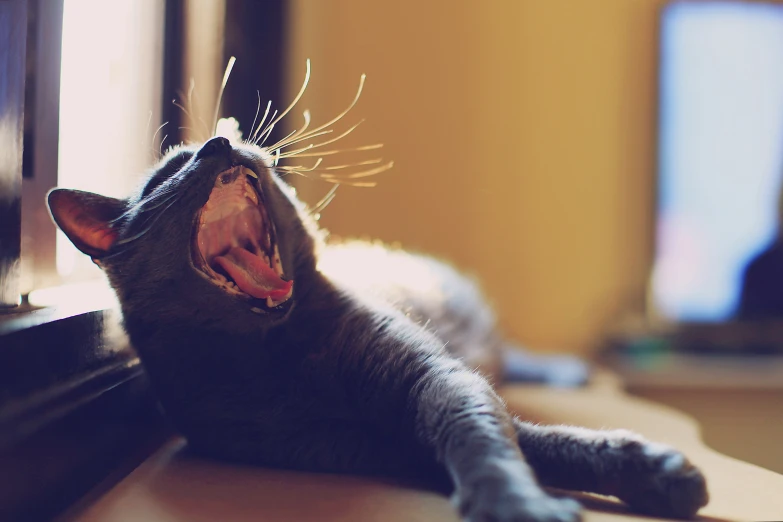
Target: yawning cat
267,345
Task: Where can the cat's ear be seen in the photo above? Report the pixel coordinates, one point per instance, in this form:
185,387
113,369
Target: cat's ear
86,218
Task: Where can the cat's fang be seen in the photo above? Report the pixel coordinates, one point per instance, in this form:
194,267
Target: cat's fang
271,303
249,172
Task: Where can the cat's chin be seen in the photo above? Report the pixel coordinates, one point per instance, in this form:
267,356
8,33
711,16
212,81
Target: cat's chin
235,245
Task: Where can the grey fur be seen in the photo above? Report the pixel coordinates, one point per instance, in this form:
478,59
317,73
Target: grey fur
378,377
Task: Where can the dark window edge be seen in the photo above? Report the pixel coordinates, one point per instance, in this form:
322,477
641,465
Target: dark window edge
76,408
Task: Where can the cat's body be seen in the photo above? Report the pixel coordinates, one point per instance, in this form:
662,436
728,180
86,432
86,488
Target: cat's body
428,292
367,365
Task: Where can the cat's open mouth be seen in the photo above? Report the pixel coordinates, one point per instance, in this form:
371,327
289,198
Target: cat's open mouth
235,241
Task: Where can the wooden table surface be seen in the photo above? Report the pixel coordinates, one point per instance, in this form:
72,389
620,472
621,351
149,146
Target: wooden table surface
174,487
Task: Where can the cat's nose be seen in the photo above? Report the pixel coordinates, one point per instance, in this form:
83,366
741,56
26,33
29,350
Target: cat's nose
214,146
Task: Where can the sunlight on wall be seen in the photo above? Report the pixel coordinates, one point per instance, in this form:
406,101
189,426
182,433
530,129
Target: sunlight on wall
109,103
203,64
523,135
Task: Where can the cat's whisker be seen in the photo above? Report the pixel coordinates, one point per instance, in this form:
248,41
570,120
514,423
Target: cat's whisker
266,132
351,183
362,174
132,238
306,115
324,201
296,152
335,151
348,109
183,109
191,113
327,142
146,207
155,135
313,133
329,179
275,146
263,136
296,135
187,112
258,110
309,135
267,136
301,135
143,206
359,164
261,123
287,172
300,139
160,148
296,99
151,223
187,104
300,167
229,68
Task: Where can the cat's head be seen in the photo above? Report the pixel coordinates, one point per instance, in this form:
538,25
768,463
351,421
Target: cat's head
214,238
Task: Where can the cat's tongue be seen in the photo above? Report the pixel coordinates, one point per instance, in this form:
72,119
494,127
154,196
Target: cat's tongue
252,275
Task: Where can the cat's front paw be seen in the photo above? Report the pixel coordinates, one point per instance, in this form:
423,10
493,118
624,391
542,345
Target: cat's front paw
664,483
500,500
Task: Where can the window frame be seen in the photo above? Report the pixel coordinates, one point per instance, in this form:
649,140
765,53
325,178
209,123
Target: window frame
76,409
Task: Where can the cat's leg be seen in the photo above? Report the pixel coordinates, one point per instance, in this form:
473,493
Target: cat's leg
456,413
648,476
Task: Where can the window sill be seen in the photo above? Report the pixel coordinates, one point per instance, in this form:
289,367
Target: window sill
74,405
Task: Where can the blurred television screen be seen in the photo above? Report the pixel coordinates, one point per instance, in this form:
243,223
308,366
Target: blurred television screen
720,162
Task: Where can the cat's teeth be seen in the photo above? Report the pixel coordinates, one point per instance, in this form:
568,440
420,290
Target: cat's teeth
257,310
271,303
251,194
278,266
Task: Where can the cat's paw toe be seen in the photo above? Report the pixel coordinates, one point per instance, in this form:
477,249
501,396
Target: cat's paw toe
668,485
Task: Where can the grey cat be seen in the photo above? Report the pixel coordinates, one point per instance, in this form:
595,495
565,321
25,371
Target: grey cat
266,345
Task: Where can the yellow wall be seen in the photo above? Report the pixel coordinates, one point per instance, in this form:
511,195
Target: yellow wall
523,137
